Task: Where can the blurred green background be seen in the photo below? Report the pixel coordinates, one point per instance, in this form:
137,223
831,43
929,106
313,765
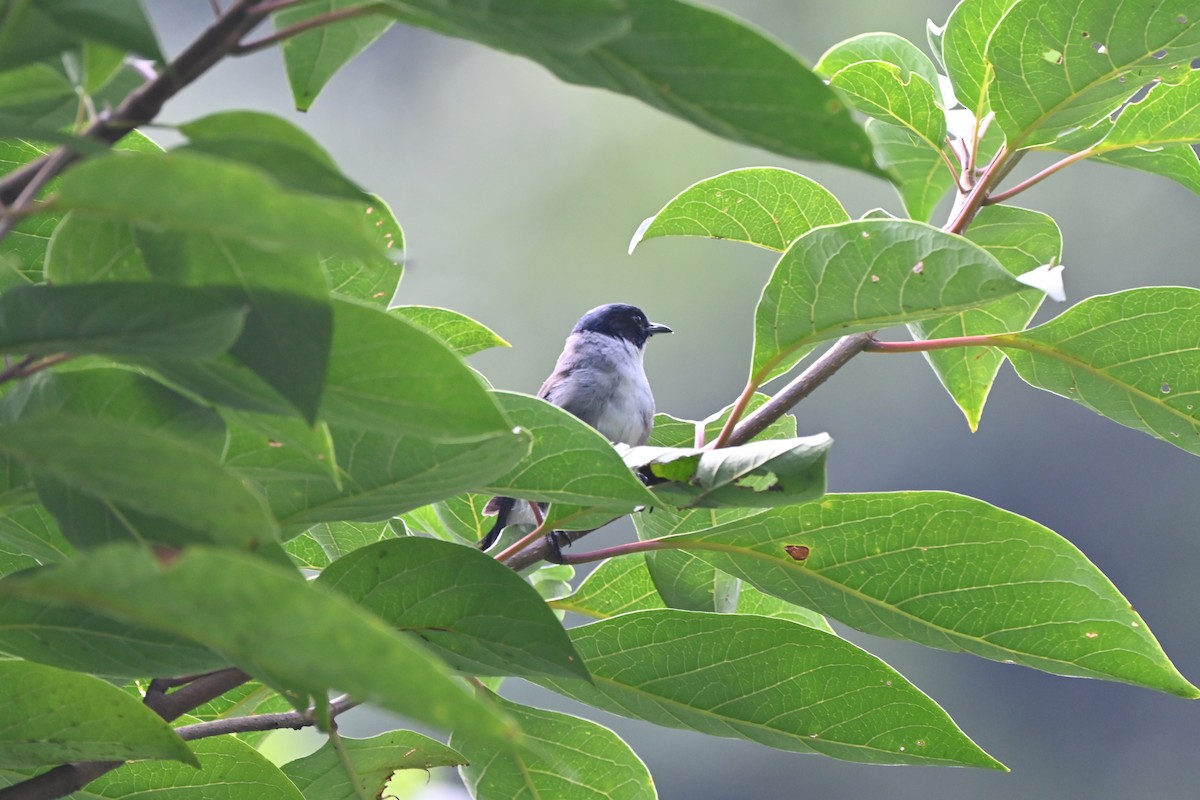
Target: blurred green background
519,194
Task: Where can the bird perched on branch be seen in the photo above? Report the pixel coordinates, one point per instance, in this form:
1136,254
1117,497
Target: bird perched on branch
599,378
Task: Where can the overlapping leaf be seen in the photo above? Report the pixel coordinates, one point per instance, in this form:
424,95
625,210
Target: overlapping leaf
922,176
886,47
322,776
1133,357
568,757
51,716
461,334
1069,64
763,206
137,319
964,45
946,571
863,275
1021,240
765,680
268,620
476,613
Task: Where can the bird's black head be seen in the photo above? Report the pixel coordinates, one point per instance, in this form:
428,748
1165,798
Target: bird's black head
620,321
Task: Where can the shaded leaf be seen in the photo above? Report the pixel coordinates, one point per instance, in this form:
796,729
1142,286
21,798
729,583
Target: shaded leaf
138,319
85,249
269,621
921,175
766,680
388,375
314,56
661,52
618,585
945,571
326,542
29,538
476,613
51,716
764,206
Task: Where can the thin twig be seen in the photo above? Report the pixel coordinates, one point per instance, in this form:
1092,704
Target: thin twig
261,722
1033,180
526,540
302,26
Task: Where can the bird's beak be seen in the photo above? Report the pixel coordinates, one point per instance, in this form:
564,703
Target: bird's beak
656,328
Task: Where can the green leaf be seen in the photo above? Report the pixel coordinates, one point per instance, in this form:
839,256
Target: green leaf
568,757
321,775
757,474
617,586
754,601
51,716
288,329
229,768
945,571
384,476
889,93
85,249
457,331
371,281
314,56
226,200
33,30
763,206
273,145
1133,357
139,319
571,462
661,52
964,43
859,276
1168,114
29,538
326,542
476,613
388,375
269,621
158,474
85,640
886,47
1021,240
920,174
1062,66
765,680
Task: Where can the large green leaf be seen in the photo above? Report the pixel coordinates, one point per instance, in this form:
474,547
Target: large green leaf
85,640
389,375
1021,240
33,30
288,329
859,276
1062,65
383,475
269,621
763,206
477,614
137,319
887,47
158,474
617,586
893,95
945,571
1168,114
570,461
765,680
1133,357
51,716
225,200
568,757
322,776
661,52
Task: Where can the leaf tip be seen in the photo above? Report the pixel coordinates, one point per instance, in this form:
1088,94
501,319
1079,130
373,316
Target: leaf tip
639,233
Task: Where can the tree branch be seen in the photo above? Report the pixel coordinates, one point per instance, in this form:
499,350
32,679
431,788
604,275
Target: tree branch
302,26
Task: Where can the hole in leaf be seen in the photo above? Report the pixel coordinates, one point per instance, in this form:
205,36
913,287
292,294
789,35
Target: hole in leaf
1161,54
1053,56
1099,48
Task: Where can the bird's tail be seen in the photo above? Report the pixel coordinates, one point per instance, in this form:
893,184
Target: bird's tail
501,507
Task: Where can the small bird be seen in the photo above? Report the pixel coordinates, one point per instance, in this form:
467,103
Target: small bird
599,378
